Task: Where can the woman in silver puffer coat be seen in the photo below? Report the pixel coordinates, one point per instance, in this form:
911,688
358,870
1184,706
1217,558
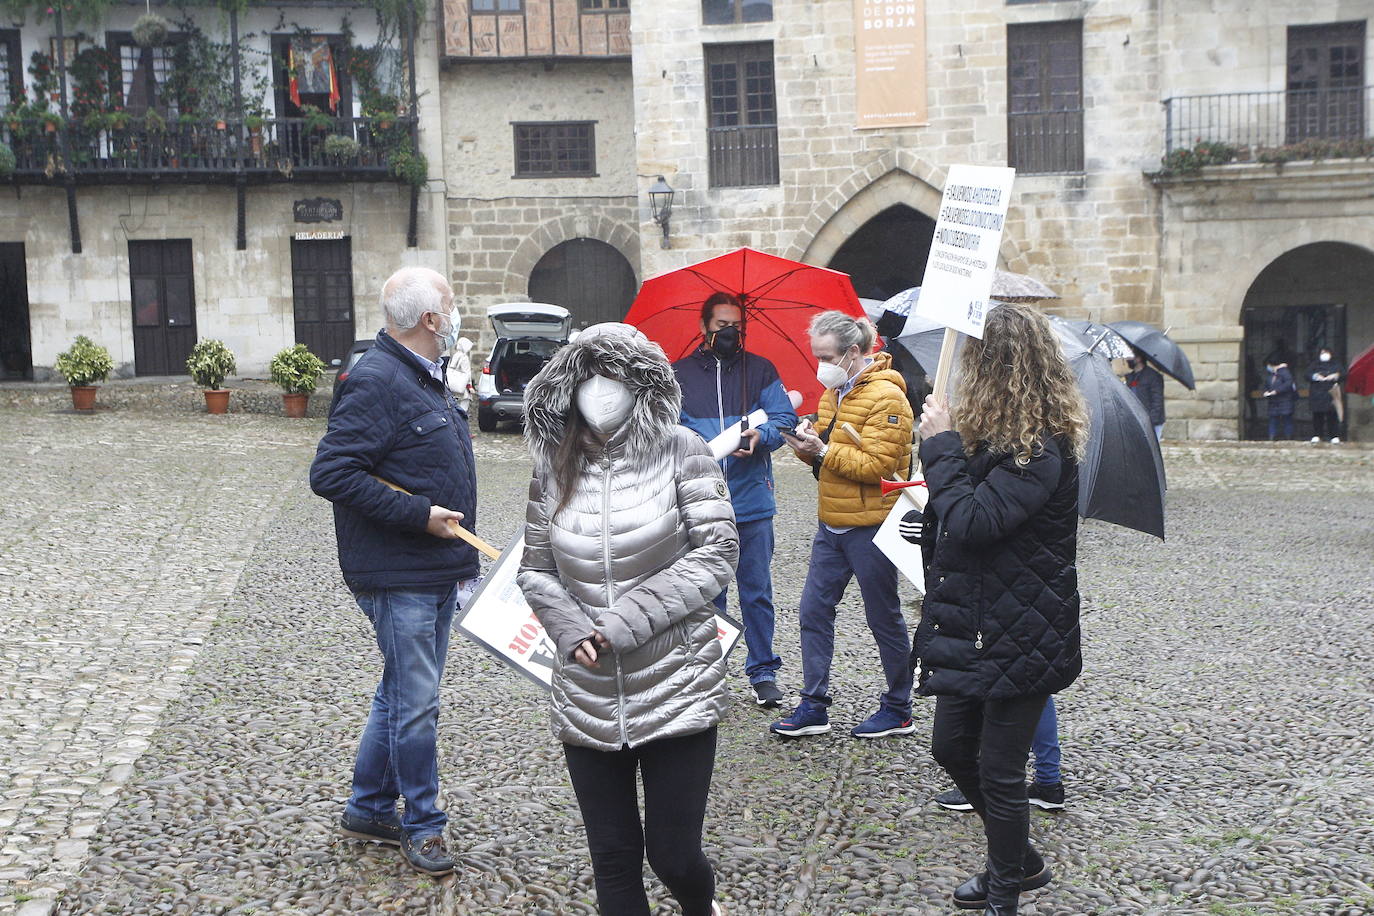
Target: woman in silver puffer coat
629,536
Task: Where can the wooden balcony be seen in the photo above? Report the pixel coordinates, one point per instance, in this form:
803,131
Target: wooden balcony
540,29
281,149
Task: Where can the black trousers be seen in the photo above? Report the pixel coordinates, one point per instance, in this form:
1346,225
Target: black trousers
677,780
1324,425
983,744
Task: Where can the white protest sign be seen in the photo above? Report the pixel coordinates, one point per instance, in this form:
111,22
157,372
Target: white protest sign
963,253
498,619
899,535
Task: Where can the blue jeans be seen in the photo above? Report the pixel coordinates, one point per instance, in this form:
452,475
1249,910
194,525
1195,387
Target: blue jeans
754,579
835,559
397,756
1286,421
1045,746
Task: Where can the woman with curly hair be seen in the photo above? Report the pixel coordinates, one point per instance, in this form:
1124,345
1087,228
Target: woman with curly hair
999,626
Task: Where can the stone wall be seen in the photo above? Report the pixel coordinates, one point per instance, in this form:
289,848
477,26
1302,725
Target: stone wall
242,297
1094,236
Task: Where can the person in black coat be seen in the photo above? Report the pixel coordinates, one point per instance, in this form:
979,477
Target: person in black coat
1282,394
1148,386
999,626
1322,375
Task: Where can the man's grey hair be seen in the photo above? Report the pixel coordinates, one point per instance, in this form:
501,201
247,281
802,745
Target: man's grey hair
847,330
412,291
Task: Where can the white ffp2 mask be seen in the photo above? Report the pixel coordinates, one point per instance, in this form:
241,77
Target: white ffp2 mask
604,403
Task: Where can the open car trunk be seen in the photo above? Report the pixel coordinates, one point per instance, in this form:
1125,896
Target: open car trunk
521,360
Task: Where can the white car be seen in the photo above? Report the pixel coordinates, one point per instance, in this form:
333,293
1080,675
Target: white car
527,335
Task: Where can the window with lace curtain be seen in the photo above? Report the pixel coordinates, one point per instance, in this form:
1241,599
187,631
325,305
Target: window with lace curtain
143,73
11,75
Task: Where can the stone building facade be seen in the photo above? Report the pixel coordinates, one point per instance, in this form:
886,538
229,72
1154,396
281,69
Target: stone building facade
1204,168
290,280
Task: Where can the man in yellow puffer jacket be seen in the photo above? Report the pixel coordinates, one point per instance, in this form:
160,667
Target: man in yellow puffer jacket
862,434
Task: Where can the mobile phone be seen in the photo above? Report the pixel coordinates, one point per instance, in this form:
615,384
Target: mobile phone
787,430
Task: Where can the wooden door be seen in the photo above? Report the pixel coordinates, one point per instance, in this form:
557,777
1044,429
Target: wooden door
589,278
164,302
322,289
16,351
1326,81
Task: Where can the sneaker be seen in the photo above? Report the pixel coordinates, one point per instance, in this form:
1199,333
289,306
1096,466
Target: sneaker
717,909
427,854
882,723
1335,440
807,719
361,828
767,694
1051,797
1316,439
953,800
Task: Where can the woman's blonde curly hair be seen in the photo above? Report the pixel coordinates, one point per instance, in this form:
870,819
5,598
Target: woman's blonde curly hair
1015,387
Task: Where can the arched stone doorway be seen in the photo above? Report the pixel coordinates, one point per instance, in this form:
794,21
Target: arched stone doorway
1313,296
588,277
888,253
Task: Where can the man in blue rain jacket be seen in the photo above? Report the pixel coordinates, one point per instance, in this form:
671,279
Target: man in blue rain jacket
720,384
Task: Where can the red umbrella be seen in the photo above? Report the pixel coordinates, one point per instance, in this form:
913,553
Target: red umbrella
1360,378
780,298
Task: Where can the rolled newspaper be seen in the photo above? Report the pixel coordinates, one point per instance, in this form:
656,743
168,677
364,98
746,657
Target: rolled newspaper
729,439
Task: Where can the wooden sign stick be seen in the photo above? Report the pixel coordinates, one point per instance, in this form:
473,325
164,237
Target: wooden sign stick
945,366
455,527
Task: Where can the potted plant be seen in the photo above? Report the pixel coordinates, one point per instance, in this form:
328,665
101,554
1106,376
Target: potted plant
153,122
8,162
83,365
150,30
51,121
316,120
297,371
254,124
210,361
340,147
411,167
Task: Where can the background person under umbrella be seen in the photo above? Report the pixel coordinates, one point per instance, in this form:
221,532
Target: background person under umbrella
1148,386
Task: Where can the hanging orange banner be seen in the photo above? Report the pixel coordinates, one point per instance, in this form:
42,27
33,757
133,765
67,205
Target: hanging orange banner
890,63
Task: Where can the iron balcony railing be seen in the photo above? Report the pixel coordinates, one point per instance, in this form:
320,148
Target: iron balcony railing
278,149
743,156
1253,122
1045,141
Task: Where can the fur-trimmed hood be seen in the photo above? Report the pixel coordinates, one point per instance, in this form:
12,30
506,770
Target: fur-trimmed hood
616,351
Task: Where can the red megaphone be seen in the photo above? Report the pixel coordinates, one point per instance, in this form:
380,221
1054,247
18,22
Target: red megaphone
890,485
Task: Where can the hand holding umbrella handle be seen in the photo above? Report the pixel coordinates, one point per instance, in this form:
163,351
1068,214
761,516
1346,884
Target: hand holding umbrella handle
455,527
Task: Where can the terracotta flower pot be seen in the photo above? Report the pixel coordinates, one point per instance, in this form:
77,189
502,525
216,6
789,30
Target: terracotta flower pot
294,404
217,400
83,397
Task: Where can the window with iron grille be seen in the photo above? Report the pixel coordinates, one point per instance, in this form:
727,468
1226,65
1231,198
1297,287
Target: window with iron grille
742,113
722,12
497,6
596,6
1045,96
561,149
1325,82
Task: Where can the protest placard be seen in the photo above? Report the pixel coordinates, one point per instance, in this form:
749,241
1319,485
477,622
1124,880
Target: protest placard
498,619
899,535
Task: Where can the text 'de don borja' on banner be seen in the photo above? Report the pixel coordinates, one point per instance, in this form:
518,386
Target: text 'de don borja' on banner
890,63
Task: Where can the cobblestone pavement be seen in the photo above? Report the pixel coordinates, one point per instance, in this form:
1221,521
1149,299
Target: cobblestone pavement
184,679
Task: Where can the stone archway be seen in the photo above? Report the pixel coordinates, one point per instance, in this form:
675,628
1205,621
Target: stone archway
589,278
888,253
619,235
1316,295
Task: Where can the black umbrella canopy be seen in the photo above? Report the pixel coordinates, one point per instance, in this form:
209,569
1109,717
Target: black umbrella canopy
1099,338
1121,478
1167,356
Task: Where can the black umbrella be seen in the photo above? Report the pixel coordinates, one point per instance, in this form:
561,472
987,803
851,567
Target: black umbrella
1099,338
1121,478
1167,356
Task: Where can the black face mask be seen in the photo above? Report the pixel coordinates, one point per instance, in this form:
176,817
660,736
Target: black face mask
726,342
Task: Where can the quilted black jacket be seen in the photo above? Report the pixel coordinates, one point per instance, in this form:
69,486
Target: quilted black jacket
1000,617
393,420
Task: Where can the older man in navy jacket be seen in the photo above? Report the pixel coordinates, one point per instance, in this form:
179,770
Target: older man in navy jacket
715,396
394,419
